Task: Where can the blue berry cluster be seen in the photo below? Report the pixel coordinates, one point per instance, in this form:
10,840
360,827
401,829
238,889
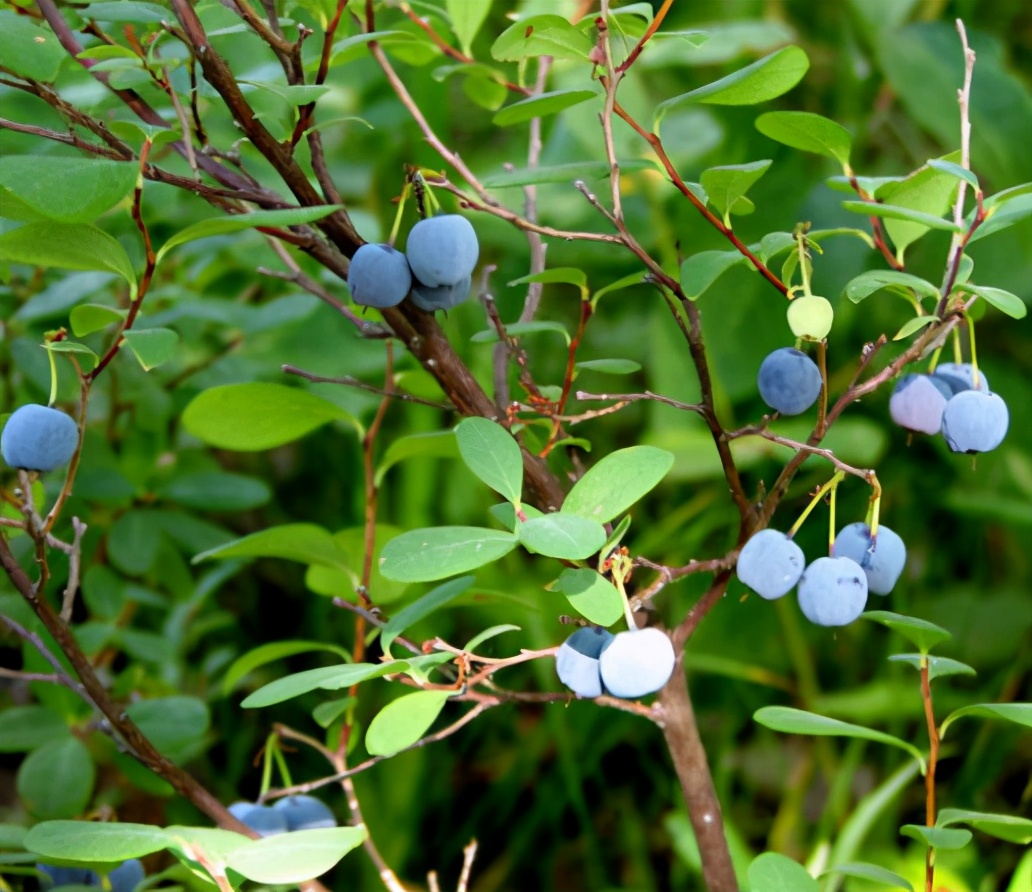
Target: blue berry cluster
436,268
124,878
285,815
630,664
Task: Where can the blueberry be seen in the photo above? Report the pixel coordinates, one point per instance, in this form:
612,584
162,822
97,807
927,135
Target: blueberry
833,591
918,401
261,819
305,813
38,438
67,876
770,564
975,421
576,661
637,663
127,877
443,297
442,250
961,376
789,381
379,276
882,564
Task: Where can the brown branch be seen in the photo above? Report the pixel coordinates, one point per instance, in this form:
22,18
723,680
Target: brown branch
657,20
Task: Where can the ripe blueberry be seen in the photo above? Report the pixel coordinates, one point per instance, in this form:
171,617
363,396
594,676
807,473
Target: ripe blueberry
38,438
881,564
789,381
974,421
833,591
442,250
305,813
261,819
637,662
770,564
576,661
127,877
443,297
918,401
961,376
379,276
67,876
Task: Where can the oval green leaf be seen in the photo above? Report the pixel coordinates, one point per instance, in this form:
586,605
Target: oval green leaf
591,595
542,35
152,346
302,542
871,872
56,780
807,132
491,453
1009,827
772,872
1004,301
919,632
438,552
327,678
403,722
421,608
937,837
874,280
67,246
95,840
71,190
540,106
566,536
27,50
701,270
244,665
1019,713
294,857
617,482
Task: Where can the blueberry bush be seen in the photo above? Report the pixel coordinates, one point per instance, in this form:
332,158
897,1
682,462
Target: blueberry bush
449,444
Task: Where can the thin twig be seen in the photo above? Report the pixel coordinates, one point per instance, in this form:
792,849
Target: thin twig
349,381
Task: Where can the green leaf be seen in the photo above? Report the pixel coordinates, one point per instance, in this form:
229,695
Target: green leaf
593,596
807,132
292,94
1004,301
403,722
937,837
937,666
124,11
521,328
88,359
765,79
438,552
919,632
215,491
1019,713
920,219
96,841
245,664
560,173
255,416
435,444
771,872
336,582
564,536
487,634
542,35
326,714
1012,828
88,318
354,47
874,280
28,51
872,872
26,728
1003,216
152,346
67,246
701,270
798,721
466,18
609,366
294,857
725,185
420,609
175,725
954,170
303,542
914,325
927,194
56,780
235,223
71,190
540,106
569,275
617,482
327,678
491,453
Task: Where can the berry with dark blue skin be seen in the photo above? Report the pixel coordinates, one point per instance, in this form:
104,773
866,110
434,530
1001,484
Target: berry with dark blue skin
882,564
443,297
960,376
127,877
789,381
636,663
261,819
975,422
442,250
379,276
576,661
833,591
38,438
305,813
67,876
918,401
770,564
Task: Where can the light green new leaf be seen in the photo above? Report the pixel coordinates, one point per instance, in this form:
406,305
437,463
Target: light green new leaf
56,780
726,185
521,328
1009,827
540,106
927,194
403,722
152,346
542,35
489,633
937,837
919,219
88,318
1004,301
438,552
913,325
327,678
294,857
614,484
919,632
245,664
872,872
303,542
568,275
71,190
1019,713
772,872
591,595
491,453
875,279
566,536
701,270
466,18
67,246
222,225
798,721
422,608
807,132
954,170
765,79
101,841
609,366
435,444
254,416
27,50
87,358
937,666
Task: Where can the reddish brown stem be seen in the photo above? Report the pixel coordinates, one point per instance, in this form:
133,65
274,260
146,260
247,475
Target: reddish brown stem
933,759
657,20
